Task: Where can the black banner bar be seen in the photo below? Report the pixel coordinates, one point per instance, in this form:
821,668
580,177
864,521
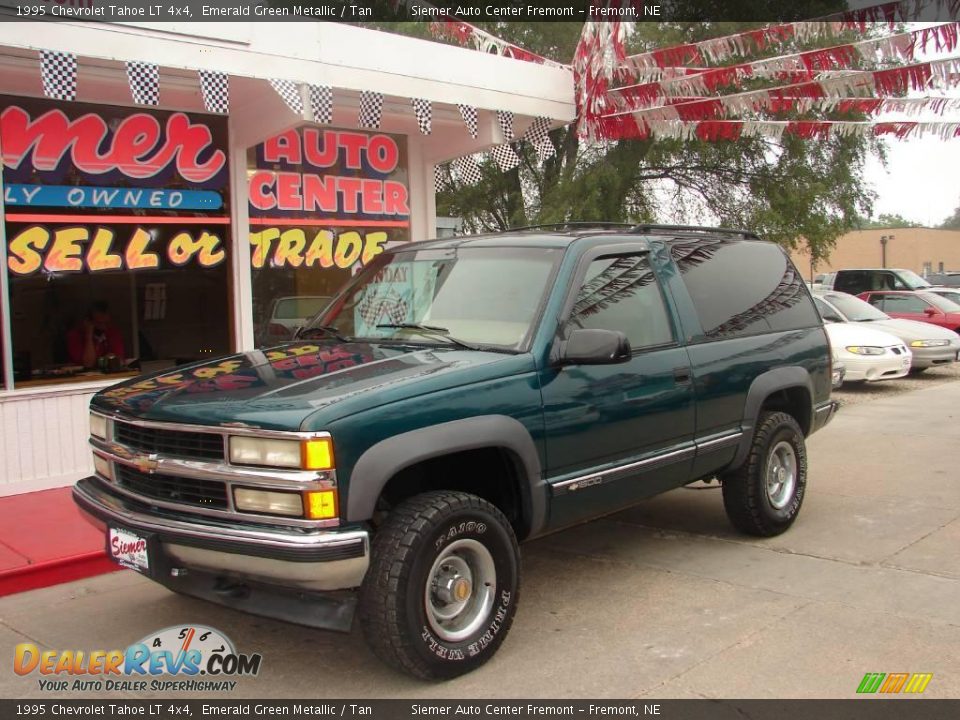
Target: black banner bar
855,709
360,11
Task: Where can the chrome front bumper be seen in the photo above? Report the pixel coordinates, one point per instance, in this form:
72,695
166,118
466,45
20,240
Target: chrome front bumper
294,558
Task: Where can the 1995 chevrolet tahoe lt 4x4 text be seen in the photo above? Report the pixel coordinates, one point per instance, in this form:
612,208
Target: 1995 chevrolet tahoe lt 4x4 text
458,396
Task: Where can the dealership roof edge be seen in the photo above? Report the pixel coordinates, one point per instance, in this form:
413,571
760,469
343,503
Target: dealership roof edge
319,53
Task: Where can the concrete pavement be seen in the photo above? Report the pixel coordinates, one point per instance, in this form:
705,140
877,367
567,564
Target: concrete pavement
663,600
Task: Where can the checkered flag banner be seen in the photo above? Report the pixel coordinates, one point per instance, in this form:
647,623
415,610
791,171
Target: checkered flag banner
467,170
424,113
144,79
371,109
537,135
441,177
215,87
290,92
58,70
505,120
469,115
321,103
505,157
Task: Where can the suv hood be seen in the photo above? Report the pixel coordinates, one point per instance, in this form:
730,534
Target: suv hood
279,387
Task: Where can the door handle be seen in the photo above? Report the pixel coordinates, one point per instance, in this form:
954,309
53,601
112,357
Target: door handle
681,375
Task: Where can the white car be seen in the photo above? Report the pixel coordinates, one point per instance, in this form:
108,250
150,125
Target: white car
868,354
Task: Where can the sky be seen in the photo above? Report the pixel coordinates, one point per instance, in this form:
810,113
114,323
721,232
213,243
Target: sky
921,182
922,179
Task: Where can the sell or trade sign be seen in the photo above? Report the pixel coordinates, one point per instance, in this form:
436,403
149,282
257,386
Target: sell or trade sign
296,247
84,248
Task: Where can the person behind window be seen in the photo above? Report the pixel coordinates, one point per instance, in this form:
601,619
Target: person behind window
94,337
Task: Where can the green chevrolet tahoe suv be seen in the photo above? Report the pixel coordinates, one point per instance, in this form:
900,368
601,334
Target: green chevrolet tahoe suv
459,396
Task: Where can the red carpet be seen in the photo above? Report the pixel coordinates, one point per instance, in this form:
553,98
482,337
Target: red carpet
45,541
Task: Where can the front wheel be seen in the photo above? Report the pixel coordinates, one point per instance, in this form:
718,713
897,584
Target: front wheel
442,588
764,495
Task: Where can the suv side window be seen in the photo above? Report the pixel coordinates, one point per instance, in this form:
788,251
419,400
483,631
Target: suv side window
852,281
622,293
743,287
903,304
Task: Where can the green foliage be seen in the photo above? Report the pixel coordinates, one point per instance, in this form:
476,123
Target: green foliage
888,220
794,191
952,222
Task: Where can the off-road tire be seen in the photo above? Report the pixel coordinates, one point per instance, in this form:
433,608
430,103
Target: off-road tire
393,608
745,496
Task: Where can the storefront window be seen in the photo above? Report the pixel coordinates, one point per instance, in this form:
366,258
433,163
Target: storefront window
117,228
323,203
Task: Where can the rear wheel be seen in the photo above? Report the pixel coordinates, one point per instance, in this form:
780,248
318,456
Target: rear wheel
442,588
764,495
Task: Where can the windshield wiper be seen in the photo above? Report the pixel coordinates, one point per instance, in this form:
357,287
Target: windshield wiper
429,329
328,329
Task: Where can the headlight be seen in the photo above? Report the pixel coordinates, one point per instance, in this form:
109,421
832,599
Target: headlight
314,504
929,343
864,350
103,466
312,454
269,502
98,426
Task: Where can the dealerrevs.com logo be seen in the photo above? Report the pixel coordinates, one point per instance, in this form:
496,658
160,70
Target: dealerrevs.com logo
200,657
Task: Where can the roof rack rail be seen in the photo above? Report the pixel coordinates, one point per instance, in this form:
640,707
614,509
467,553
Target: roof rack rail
648,229
580,224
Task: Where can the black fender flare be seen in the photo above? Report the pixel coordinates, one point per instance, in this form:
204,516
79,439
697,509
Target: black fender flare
764,385
382,461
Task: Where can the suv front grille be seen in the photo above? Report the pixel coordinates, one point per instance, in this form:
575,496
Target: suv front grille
188,491
173,443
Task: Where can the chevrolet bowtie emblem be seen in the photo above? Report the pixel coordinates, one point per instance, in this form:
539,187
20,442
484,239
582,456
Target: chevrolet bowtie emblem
146,463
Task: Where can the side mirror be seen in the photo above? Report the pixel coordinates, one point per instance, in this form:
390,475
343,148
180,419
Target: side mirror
930,312
595,347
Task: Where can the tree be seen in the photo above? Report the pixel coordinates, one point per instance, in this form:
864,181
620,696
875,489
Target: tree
952,222
794,191
888,220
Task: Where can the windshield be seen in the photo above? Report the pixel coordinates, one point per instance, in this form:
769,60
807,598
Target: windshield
912,280
938,301
854,309
298,308
481,296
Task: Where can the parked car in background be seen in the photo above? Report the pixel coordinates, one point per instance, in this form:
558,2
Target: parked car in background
946,279
924,306
856,281
951,294
287,314
930,345
867,354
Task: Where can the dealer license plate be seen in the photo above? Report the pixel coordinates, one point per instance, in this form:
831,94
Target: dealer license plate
129,549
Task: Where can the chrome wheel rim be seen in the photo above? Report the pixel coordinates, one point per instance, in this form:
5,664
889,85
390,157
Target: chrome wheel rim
781,474
460,589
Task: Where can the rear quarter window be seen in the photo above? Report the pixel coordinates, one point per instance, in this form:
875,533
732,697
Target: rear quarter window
743,287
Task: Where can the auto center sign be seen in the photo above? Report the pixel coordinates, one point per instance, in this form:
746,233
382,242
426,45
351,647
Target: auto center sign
322,197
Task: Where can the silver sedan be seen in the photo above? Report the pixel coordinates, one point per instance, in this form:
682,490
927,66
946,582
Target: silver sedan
931,345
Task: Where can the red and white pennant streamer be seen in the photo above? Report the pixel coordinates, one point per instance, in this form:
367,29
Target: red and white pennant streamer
746,43
864,83
803,65
625,126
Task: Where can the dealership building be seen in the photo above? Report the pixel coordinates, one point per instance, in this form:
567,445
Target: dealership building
209,185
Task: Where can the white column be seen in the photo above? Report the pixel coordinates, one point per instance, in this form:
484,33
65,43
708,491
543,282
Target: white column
5,335
242,285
